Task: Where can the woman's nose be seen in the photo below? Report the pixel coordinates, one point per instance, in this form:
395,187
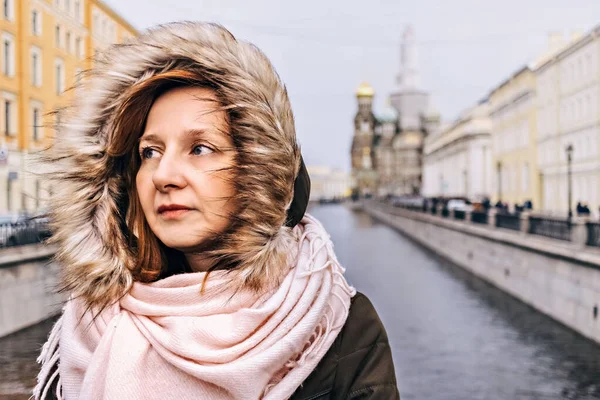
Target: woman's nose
168,175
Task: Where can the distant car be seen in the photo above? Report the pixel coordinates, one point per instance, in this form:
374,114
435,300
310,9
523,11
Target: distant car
459,205
6,230
20,229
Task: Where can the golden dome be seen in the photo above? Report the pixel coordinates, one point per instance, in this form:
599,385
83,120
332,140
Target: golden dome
365,90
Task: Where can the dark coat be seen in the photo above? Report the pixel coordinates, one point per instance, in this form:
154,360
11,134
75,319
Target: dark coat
358,365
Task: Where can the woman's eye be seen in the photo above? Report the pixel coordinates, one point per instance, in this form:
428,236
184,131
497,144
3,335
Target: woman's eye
200,150
147,152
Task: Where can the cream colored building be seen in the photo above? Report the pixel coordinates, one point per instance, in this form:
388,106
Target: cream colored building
328,183
568,108
457,159
513,115
45,44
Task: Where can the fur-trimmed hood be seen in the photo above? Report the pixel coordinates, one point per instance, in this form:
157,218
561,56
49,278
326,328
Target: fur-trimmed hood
89,188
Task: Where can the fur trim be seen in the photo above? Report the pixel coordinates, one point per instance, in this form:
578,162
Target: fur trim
87,203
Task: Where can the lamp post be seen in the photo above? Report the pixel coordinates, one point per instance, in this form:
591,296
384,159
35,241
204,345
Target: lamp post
569,150
499,169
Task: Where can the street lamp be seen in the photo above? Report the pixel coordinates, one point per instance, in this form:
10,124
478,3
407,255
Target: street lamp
499,169
569,150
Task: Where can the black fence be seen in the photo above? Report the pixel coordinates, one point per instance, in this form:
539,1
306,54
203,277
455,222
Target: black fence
552,228
593,234
508,221
459,214
560,229
24,232
479,217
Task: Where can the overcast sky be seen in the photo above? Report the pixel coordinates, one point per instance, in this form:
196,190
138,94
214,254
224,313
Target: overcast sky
323,49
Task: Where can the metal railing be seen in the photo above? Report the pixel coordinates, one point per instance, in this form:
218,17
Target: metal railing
459,214
24,232
593,234
508,221
552,228
479,217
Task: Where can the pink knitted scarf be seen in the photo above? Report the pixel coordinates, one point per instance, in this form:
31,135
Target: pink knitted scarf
166,340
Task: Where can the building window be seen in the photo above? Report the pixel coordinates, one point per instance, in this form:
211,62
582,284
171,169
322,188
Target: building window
68,6
525,177
35,120
57,36
364,126
59,76
7,117
68,40
77,10
36,26
588,106
36,67
8,55
78,47
8,9
95,27
38,193
9,193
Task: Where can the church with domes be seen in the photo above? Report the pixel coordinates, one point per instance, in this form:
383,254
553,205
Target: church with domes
387,147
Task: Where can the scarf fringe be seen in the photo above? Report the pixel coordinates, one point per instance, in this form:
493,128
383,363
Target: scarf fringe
316,341
49,373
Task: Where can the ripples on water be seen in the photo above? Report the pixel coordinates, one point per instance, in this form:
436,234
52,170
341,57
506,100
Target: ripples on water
453,336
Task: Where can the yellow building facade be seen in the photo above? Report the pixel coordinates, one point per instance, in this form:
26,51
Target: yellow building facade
514,140
44,45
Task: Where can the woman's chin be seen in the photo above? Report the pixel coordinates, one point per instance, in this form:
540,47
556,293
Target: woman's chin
178,241
184,246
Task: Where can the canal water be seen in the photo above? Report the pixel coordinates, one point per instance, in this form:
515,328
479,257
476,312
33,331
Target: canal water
453,337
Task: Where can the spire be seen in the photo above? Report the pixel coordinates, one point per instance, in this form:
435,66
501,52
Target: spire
409,78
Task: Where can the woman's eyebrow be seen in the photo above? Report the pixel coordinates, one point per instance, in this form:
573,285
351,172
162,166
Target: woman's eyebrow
192,133
149,138
196,133
205,133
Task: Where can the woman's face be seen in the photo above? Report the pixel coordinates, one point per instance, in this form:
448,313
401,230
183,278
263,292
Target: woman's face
184,196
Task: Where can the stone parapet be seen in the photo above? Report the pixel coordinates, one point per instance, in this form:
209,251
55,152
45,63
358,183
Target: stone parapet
556,277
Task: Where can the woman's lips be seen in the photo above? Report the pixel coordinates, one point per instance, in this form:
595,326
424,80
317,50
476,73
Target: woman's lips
170,211
174,213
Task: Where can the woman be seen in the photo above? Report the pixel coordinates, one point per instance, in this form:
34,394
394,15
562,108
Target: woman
193,273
